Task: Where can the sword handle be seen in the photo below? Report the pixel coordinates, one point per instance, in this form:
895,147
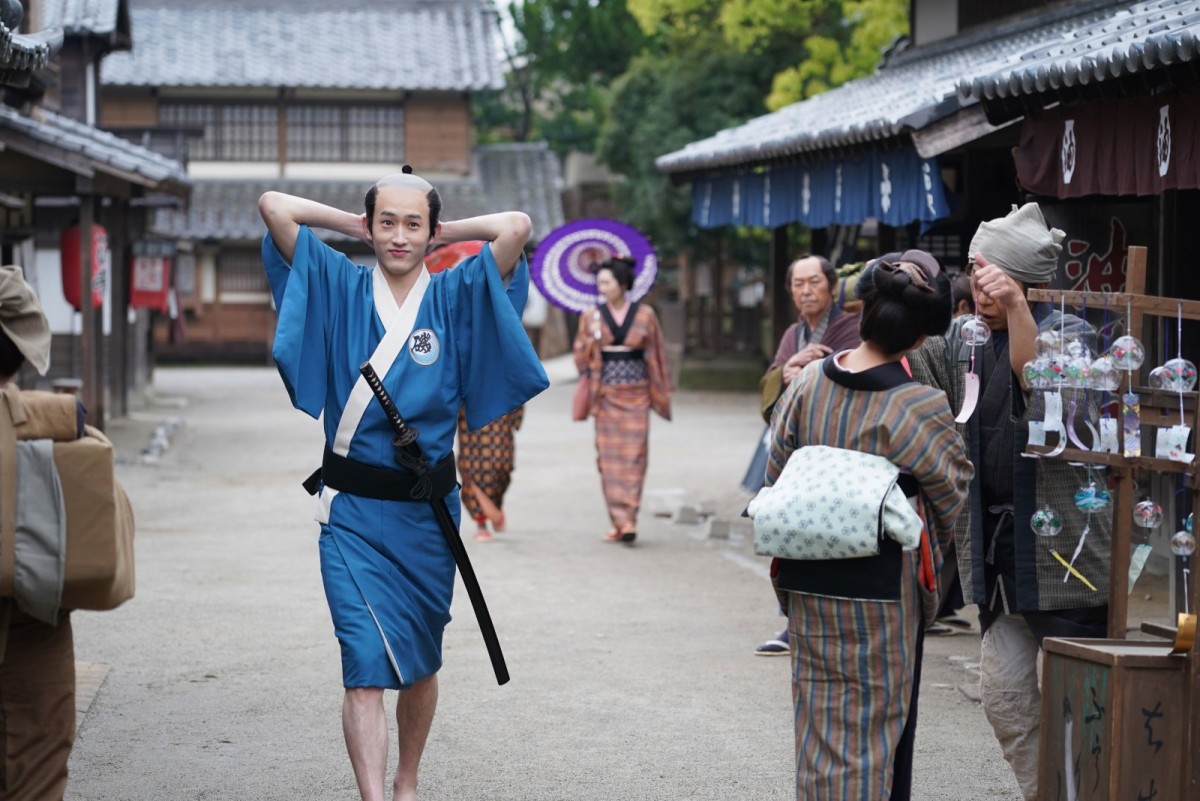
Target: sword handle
405,435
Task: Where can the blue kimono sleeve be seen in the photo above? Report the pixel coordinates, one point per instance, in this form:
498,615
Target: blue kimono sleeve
498,367
307,295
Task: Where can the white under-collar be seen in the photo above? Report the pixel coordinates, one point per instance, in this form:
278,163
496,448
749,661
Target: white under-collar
385,301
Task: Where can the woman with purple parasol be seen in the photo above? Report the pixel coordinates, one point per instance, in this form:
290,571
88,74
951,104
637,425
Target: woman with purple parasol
620,342
600,269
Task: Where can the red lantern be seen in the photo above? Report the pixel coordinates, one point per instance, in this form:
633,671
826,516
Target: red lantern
68,243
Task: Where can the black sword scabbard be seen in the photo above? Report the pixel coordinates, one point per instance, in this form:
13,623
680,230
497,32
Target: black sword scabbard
409,455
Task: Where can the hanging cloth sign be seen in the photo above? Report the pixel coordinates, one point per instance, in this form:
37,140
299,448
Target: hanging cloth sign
1125,146
895,188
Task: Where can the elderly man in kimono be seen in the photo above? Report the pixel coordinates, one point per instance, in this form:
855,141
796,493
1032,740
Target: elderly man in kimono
821,328
437,342
1008,571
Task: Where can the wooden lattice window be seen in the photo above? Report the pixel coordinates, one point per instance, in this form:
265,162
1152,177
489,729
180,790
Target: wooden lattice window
232,132
345,133
241,271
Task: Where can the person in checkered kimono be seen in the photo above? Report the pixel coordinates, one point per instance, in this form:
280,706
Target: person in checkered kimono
1007,570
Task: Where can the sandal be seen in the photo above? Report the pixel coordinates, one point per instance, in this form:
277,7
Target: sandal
613,536
482,535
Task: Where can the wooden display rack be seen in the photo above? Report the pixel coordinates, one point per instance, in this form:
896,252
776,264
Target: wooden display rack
1121,719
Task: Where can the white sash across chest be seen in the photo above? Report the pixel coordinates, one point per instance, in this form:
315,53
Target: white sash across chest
398,323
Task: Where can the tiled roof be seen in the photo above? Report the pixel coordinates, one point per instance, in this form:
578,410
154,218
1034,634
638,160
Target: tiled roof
448,45
1145,36
93,17
26,52
912,90
105,152
523,177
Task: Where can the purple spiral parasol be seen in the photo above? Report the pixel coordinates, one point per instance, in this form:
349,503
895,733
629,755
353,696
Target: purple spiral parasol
564,263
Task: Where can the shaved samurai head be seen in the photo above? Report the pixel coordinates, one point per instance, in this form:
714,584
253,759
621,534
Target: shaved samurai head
406,180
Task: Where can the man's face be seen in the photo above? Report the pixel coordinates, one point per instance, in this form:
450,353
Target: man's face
810,290
400,230
991,311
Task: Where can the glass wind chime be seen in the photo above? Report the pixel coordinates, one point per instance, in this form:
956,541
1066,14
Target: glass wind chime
1064,361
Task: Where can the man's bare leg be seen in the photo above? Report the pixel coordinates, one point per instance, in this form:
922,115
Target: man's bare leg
365,727
414,716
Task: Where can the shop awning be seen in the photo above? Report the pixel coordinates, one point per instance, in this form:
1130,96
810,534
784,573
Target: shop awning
895,188
1126,146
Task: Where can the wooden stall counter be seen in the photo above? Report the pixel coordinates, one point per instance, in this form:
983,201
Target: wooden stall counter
1115,721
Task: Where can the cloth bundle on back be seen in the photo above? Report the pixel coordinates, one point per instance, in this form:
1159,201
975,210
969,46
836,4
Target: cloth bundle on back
66,542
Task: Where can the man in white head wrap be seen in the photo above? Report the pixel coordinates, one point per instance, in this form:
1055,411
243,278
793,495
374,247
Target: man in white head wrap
1011,254
1005,568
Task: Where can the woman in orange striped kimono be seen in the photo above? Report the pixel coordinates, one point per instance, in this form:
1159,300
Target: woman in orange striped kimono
486,459
619,351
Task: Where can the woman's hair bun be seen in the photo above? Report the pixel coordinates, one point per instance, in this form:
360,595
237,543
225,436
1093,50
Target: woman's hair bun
890,281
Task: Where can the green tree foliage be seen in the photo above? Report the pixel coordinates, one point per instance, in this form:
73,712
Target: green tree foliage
664,101
849,50
633,79
566,54
839,40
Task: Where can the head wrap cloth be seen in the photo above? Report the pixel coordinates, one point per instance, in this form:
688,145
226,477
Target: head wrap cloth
22,319
1020,244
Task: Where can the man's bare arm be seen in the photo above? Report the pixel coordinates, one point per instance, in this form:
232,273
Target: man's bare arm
507,231
284,214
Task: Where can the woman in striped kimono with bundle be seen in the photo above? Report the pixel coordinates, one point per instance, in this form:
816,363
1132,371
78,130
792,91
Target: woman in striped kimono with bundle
619,348
856,625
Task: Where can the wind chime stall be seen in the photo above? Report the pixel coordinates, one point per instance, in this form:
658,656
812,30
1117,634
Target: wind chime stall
1121,718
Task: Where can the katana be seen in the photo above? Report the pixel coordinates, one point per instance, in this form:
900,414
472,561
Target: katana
410,457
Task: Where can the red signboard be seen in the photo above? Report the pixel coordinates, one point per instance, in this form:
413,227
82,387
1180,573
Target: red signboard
150,282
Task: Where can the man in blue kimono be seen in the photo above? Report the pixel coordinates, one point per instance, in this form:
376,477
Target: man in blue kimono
437,342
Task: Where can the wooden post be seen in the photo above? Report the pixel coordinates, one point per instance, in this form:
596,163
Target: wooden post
1191,733
1135,284
89,345
119,370
1118,572
783,311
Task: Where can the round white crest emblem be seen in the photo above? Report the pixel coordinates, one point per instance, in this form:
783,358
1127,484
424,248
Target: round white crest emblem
1068,151
424,347
1164,141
